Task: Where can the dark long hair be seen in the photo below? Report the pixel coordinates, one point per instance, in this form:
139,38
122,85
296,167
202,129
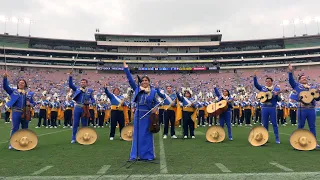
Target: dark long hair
25,82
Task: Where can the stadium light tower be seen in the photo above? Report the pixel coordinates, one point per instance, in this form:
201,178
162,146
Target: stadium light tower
295,22
317,20
4,19
283,24
305,22
16,20
28,21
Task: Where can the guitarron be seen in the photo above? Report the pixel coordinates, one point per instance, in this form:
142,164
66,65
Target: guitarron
215,109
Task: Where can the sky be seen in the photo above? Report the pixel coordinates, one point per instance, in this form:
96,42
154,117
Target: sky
236,19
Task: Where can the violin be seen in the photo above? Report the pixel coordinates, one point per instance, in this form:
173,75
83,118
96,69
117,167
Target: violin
154,124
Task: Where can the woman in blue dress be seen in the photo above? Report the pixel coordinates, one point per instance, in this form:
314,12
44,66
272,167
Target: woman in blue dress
144,97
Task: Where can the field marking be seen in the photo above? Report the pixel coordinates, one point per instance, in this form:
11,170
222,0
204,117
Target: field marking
195,132
268,176
42,134
42,170
222,167
103,169
281,167
163,163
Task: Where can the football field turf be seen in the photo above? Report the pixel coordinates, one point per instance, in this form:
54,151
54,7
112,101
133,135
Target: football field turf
56,158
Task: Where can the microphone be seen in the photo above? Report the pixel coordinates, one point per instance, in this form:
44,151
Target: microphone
139,79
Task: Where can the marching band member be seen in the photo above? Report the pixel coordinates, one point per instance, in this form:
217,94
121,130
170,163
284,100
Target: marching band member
145,99
257,108
202,110
43,109
68,106
117,110
55,106
236,112
225,118
188,111
19,100
83,96
268,109
246,105
7,111
209,100
280,112
101,109
168,110
292,105
305,111
92,119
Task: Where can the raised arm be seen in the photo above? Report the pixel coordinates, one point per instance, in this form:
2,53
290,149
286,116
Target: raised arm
179,97
110,96
129,76
6,86
160,94
216,91
255,81
71,85
92,98
292,82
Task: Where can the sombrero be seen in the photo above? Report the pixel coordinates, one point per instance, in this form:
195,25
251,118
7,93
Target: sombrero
215,134
258,136
24,140
86,136
303,139
127,132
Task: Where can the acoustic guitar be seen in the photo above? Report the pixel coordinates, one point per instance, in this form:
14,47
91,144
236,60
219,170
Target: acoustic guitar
215,109
264,96
308,96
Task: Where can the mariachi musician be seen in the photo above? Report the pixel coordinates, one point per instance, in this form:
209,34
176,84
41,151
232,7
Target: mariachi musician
117,110
44,103
305,110
145,99
225,117
168,110
268,108
20,103
83,96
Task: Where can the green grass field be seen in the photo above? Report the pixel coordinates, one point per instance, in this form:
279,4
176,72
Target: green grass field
176,158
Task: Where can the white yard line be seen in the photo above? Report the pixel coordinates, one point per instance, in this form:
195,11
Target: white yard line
222,167
281,167
163,162
42,134
42,170
103,169
264,176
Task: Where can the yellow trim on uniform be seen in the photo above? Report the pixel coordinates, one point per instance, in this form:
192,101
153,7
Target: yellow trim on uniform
114,107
